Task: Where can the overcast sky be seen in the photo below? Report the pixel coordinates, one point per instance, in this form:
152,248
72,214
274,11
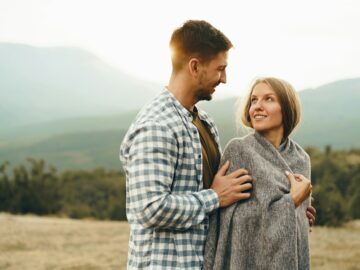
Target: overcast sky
308,43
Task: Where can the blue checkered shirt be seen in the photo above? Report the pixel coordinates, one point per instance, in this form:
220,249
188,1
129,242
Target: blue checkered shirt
166,205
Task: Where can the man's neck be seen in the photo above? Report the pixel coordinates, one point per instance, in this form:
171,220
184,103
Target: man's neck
180,88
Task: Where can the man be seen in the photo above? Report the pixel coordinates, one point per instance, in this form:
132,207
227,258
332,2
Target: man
165,158
171,155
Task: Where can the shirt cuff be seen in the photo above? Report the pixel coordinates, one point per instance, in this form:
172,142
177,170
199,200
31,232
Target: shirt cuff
209,199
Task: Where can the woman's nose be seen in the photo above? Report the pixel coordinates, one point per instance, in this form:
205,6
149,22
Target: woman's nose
257,105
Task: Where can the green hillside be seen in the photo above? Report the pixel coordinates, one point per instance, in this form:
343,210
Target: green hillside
83,150
331,116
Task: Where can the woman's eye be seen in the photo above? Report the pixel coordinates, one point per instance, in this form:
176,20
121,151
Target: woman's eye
269,99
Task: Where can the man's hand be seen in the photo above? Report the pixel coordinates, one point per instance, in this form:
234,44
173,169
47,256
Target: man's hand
231,188
311,213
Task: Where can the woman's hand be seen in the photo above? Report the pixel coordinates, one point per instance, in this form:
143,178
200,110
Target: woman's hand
300,188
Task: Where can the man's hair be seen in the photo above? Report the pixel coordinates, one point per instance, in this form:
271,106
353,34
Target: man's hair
197,39
288,99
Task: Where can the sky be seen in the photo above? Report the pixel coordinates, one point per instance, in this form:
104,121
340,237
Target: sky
308,43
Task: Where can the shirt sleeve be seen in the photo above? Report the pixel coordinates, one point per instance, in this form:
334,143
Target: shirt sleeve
150,167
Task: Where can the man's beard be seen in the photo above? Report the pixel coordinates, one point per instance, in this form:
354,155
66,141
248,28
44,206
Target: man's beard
203,94
206,93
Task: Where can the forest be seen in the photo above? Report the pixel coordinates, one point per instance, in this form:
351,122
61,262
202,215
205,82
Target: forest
39,188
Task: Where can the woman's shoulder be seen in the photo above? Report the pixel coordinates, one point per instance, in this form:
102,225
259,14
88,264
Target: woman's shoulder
299,150
239,142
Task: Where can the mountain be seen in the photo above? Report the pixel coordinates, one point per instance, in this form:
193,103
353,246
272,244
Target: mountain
70,108
331,116
44,84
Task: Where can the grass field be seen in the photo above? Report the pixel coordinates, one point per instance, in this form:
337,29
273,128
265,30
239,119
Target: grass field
38,243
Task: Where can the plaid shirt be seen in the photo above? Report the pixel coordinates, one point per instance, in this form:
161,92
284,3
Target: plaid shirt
167,209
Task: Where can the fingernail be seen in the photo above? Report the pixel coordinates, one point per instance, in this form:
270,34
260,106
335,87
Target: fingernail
287,173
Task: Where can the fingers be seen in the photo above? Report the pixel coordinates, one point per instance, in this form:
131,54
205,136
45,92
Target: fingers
310,217
312,210
297,177
238,173
290,176
300,177
244,196
243,187
224,168
243,179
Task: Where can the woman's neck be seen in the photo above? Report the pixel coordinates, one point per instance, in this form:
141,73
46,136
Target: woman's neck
274,137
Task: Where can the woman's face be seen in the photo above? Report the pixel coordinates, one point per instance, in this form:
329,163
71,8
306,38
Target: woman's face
265,110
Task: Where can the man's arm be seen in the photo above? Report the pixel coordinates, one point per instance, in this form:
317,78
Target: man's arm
150,167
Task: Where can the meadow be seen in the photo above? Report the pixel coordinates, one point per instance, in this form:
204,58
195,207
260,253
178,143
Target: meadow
45,243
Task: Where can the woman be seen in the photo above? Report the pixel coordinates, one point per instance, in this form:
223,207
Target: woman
269,230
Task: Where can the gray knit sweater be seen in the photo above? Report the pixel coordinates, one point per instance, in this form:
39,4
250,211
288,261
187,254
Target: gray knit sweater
265,231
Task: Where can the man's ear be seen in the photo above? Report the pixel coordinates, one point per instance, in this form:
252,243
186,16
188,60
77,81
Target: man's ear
194,66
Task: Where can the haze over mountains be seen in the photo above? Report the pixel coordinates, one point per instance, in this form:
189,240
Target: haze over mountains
67,106
43,84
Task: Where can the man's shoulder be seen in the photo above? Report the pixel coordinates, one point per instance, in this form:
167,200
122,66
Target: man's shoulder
159,112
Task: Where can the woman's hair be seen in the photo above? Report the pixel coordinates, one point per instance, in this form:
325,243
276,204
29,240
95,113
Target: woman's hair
197,39
288,99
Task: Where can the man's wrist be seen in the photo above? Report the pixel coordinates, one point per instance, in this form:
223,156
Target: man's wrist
210,200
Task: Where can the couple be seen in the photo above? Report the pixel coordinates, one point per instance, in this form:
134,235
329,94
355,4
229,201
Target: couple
184,212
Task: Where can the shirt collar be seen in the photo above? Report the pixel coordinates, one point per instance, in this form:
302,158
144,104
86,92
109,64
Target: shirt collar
181,109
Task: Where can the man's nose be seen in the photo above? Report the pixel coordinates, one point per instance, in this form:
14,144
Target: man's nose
223,77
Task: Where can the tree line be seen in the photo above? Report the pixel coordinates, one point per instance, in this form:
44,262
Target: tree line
39,189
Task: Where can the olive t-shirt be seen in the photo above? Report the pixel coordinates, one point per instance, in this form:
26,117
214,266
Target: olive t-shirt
210,151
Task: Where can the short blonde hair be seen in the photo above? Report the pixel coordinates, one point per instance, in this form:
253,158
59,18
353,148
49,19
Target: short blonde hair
288,99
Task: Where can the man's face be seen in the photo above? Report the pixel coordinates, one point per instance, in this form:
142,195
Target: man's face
211,75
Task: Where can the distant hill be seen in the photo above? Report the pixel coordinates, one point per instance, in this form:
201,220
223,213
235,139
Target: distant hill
43,84
67,106
331,116
82,150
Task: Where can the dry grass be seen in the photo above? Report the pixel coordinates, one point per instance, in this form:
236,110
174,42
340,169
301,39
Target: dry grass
37,243
34,243
336,248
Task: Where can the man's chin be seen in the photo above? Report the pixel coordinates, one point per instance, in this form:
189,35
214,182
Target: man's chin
205,97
